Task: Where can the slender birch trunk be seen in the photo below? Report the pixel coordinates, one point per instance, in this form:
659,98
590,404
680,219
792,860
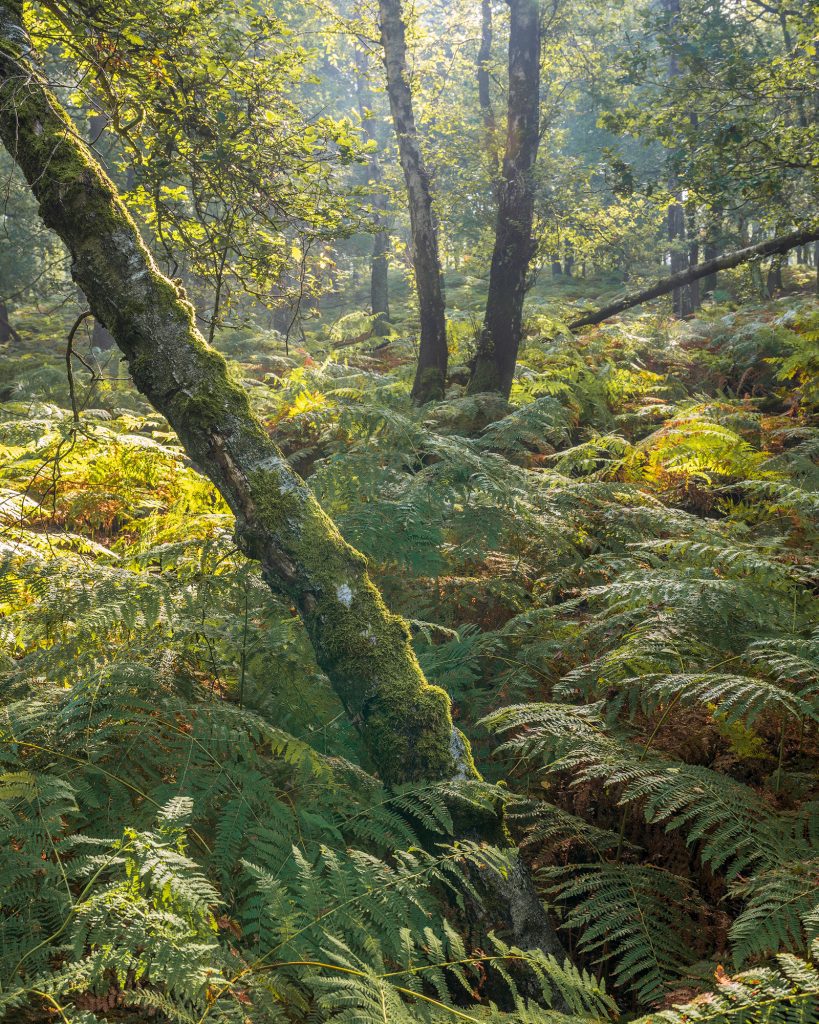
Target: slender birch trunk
430,375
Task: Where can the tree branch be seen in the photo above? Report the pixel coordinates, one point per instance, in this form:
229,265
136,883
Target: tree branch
772,247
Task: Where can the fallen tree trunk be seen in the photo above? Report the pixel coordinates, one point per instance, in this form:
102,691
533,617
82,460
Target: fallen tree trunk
772,247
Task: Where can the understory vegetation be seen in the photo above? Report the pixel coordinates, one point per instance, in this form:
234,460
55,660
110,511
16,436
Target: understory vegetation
409,506
614,577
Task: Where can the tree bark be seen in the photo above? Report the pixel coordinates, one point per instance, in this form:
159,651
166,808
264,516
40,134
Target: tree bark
684,301
101,338
514,247
774,283
405,723
693,250
709,282
678,257
484,94
379,261
710,248
771,247
7,332
430,374
380,284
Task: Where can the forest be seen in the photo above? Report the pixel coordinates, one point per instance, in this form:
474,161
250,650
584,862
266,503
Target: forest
409,505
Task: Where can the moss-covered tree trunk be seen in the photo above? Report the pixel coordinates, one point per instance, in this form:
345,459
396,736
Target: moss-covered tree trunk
365,650
406,723
500,336
430,375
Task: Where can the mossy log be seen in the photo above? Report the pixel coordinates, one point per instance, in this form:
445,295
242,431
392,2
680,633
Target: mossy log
365,650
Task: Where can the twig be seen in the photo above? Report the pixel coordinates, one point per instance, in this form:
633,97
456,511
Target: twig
69,352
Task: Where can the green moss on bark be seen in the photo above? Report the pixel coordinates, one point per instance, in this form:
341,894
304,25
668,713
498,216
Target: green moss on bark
485,376
365,650
429,386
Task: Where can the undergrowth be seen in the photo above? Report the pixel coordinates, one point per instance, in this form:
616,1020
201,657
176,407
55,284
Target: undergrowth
616,583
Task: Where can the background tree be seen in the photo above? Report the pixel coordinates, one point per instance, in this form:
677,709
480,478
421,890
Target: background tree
432,356
514,247
379,269
30,264
197,116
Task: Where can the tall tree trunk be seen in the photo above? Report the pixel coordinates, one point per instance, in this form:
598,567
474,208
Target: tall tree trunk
405,723
484,94
758,282
380,283
693,254
379,261
816,265
774,283
682,300
430,375
7,331
710,248
710,251
675,228
499,341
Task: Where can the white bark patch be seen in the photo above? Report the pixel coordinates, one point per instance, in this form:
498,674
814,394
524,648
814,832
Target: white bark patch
344,595
287,481
137,267
457,748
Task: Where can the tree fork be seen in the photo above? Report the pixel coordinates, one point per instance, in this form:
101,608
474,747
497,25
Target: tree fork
772,247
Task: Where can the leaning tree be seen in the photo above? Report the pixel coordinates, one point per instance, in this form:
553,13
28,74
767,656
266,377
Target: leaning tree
405,723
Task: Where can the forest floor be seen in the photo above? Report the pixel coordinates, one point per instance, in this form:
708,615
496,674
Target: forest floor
616,580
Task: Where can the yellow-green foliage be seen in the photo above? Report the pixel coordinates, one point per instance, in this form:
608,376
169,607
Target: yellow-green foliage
620,574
